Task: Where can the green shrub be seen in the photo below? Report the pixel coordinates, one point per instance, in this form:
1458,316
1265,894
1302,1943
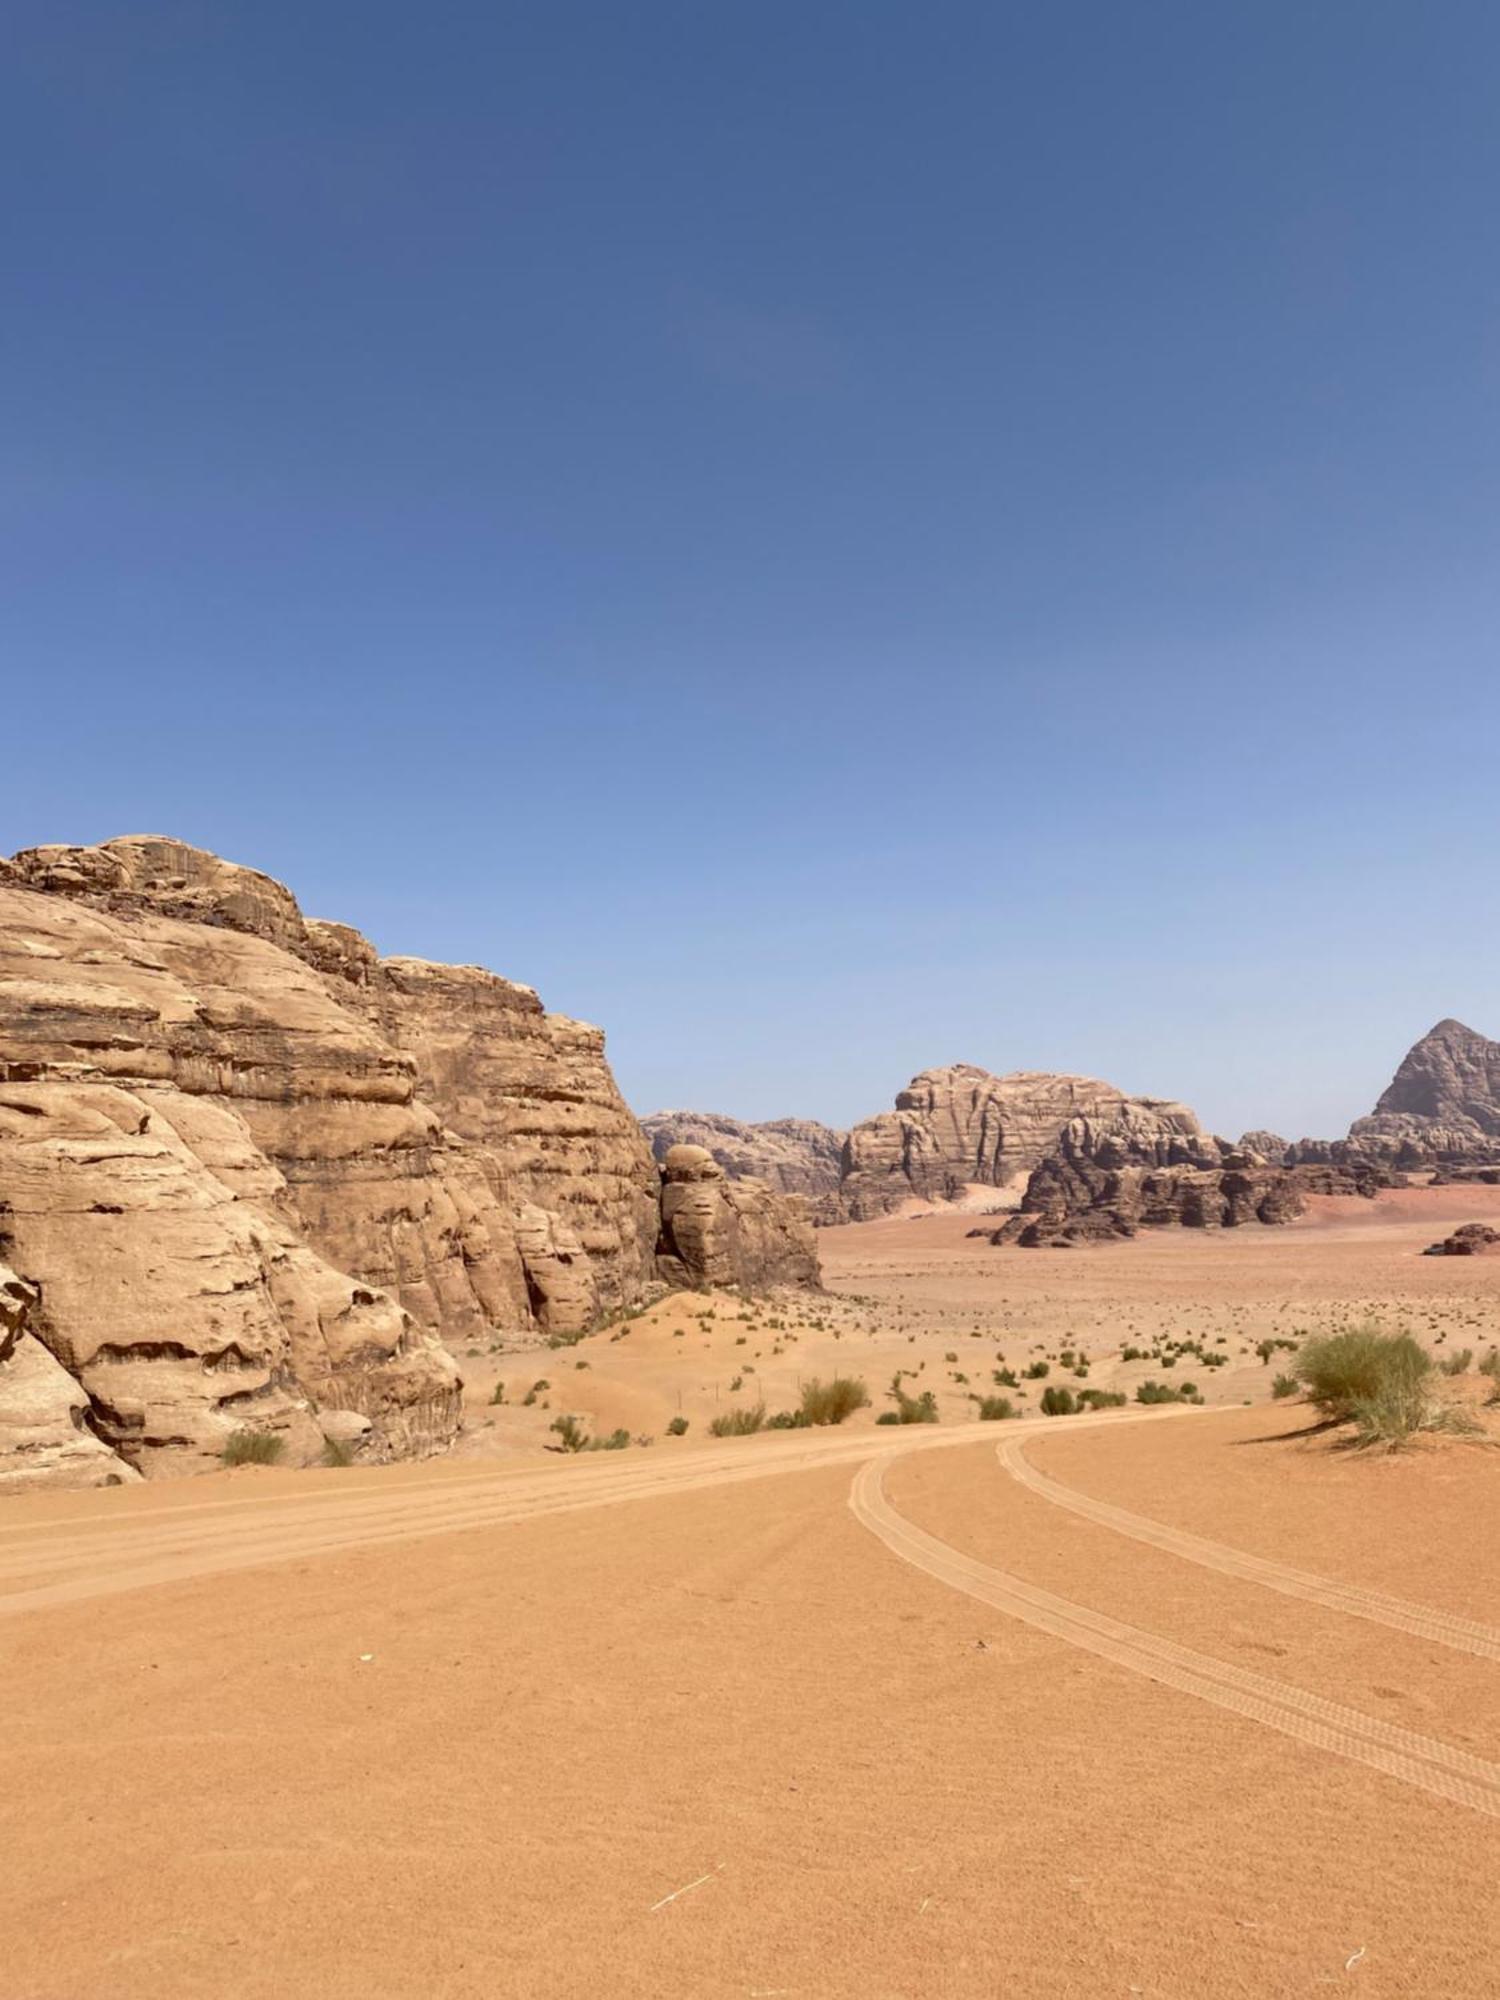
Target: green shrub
1284,1386
616,1441
677,1428
911,1409
992,1410
1163,1392
1101,1399
1459,1362
1058,1402
1038,1371
789,1420
1363,1366
830,1402
888,1417
738,1423
253,1448
497,1394
571,1432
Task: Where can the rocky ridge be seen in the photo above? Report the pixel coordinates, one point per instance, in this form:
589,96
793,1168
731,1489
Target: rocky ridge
253,1175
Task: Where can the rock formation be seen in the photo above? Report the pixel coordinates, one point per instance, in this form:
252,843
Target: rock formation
1472,1239
45,1438
958,1126
793,1155
1109,1178
258,1174
1267,1146
721,1232
1444,1100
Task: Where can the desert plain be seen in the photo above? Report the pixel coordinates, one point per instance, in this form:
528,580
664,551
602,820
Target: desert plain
1152,1702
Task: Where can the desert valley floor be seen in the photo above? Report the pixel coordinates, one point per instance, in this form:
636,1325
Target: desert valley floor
1156,1702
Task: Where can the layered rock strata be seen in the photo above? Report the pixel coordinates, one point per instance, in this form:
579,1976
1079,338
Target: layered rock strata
258,1174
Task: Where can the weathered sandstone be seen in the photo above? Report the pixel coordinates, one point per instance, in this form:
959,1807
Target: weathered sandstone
793,1155
718,1232
958,1126
260,1174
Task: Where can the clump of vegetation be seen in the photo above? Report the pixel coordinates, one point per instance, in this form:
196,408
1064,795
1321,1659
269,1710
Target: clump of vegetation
1101,1399
1038,1371
1382,1383
677,1428
921,1409
497,1394
1166,1392
992,1410
616,1441
1059,1402
1459,1362
1284,1386
739,1422
253,1448
830,1402
1490,1368
572,1434
788,1420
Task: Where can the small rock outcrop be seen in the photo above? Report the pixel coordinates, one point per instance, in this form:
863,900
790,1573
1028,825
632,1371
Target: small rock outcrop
955,1127
718,1233
1472,1239
792,1155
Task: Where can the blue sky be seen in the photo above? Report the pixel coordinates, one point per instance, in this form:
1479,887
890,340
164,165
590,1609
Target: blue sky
828,538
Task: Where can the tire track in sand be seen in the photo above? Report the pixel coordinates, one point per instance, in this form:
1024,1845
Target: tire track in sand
1465,1635
1420,1761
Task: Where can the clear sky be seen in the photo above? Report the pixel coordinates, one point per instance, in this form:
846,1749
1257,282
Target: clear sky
830,538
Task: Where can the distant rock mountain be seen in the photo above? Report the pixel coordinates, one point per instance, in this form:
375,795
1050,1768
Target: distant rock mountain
793,1155
1445,1097
960,1126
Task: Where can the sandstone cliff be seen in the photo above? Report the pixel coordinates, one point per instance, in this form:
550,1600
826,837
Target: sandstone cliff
961,1125
793,1155
258,1174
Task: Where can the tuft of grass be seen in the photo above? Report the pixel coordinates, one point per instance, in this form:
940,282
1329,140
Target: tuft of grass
1284,1386
1101,1399
830,1402
677,1428
1059,1402
1459,1362
738,1423
253,1448
921,1409
1038,1371
992,1410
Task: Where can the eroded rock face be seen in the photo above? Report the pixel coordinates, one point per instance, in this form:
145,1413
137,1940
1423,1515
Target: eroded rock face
792,1155
961,1125
718,1233
45,1438
1107,1179
1267,1146
260,1174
